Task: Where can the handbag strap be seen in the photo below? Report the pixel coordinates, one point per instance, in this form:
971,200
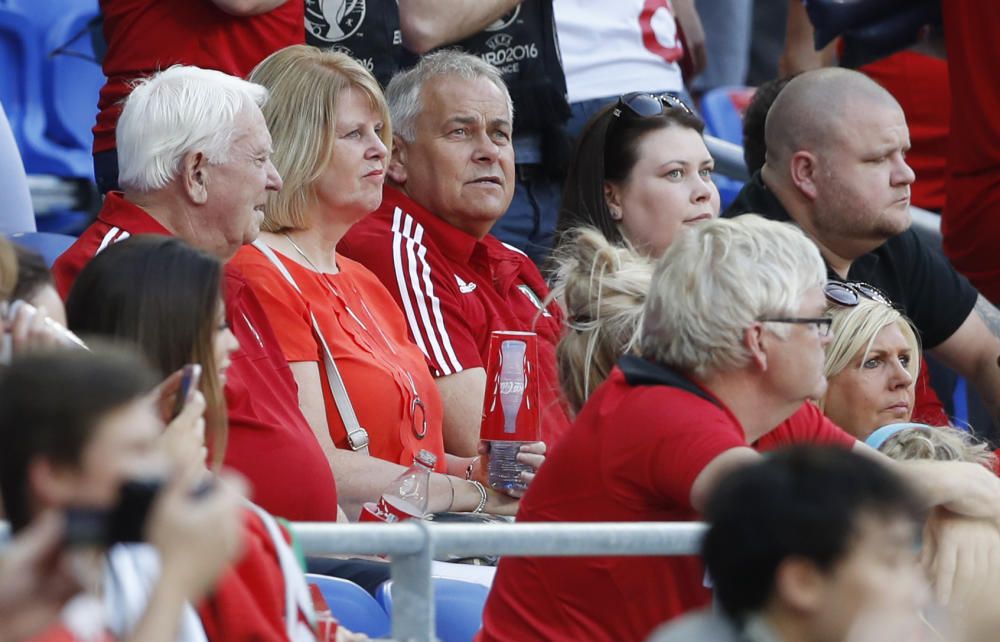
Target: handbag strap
357,436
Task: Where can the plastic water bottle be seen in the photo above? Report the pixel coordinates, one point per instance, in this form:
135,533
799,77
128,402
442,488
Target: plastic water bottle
504,469
406,497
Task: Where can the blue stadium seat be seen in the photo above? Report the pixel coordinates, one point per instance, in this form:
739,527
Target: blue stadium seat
72,79
21,94
458,607
722,108
352,605
17,214
49,245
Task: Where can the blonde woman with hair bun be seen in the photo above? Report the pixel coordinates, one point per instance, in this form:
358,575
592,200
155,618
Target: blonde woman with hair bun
602,287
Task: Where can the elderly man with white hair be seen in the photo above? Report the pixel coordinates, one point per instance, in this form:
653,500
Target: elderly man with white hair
731,351
195,163
450,178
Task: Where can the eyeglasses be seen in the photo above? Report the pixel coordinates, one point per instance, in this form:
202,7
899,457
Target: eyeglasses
822,324
848,294
647,105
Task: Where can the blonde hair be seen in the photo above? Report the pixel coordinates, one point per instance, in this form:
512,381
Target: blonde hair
941,443
306,85
718,278
8,269
602,287
854,330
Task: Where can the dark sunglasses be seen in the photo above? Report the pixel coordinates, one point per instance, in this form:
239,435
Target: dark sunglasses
848,294
645,105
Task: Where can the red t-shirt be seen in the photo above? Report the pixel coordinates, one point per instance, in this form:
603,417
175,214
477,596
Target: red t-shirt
632,455
455,290
367,336
970,225
145,36
269,440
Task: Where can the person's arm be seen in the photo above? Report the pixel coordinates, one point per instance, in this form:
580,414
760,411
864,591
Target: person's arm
362,478
694,34
462,397
800,53
717,470
972,352
428,24
248,7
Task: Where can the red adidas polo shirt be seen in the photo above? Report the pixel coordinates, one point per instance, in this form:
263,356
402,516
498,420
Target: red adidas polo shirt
270,442
455,290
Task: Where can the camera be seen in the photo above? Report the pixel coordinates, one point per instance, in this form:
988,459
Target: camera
125,522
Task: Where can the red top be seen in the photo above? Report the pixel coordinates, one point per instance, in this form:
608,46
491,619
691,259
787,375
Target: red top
970,225
455,290
145,36
248,601
366,334
632,455
269,440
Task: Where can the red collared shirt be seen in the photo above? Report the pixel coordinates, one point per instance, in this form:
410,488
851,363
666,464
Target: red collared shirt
270,441
455,290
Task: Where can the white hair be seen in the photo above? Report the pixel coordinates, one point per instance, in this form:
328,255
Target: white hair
175,112
403,93
715,281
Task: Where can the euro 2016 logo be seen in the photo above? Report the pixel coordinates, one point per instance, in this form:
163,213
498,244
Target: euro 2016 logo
332,21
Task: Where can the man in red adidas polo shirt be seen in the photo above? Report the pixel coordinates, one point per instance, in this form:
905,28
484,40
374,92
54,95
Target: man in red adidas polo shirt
451,177
195,163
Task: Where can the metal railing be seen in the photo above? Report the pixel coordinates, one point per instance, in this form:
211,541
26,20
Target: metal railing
411,546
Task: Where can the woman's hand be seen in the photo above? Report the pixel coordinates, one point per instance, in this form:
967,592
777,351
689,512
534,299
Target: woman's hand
29,331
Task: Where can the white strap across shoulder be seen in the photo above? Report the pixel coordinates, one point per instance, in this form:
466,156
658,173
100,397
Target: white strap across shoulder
357,436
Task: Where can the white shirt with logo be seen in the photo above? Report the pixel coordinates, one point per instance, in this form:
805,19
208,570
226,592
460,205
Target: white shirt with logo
612,47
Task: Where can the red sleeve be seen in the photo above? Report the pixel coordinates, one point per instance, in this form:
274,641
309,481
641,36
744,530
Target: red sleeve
287,311
423,286
807,426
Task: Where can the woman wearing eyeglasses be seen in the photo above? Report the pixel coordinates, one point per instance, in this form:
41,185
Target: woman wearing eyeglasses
641,172
872,362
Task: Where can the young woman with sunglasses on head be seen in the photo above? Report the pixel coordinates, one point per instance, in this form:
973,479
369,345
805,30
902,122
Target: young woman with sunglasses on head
641,172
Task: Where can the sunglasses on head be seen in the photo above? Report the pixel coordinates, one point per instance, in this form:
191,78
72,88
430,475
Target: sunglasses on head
848,294
646,105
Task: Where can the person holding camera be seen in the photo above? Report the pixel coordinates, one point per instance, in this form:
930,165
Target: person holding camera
94,434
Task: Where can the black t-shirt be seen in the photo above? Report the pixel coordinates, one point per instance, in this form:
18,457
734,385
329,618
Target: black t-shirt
918,279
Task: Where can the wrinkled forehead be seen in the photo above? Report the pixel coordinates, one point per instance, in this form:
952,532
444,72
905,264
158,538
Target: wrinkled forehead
449,96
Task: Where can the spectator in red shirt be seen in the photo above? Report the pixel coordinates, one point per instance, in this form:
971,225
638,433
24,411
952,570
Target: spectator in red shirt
451,177
333,157
195,155
731,346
